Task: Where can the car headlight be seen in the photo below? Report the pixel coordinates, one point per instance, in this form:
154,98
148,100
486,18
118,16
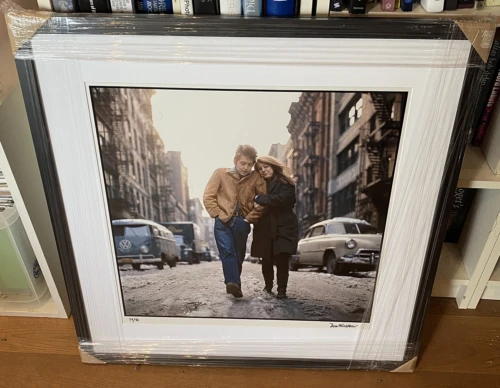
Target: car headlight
144,249
351,244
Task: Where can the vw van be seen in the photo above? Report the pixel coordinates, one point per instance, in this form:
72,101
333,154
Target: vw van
140,242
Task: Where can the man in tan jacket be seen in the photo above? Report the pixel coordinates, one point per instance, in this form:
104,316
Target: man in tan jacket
229,198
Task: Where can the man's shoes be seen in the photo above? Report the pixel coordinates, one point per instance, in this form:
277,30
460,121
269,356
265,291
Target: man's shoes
281,294
234,289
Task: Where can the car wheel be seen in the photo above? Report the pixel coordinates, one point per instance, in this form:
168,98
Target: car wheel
136,267
292,266
332,267
160,265
190,261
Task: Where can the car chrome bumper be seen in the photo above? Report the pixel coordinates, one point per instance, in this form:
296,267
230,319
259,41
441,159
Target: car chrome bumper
361,259
147,259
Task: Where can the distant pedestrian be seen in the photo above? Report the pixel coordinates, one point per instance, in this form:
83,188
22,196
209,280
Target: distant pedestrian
276,236
229,198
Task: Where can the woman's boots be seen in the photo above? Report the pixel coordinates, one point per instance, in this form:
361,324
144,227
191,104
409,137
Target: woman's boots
268,273
282,283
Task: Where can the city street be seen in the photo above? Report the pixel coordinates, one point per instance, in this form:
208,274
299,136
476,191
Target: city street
199,291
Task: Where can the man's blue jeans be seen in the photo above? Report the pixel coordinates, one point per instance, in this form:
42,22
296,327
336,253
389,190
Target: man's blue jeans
231,238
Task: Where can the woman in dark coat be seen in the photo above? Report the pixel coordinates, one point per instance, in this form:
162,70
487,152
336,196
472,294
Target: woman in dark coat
276,234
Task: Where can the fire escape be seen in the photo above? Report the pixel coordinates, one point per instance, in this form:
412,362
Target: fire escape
310,164
378,144
161,190
109,109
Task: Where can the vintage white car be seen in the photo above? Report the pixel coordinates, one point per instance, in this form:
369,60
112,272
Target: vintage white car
341,244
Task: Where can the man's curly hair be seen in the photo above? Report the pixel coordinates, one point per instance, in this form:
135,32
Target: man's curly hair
245,150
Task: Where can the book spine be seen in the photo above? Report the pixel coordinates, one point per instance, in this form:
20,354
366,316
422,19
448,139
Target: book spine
121,6
65,6
252,7
280,8
157,6
94,6
337,5
306,8
205,7
138,6
297,8
357,6
177,6
187,7
462,203
230,7
322,8
485,120
486,83
388,5
406,5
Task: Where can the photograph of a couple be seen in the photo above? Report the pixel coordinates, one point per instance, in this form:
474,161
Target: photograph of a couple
247,204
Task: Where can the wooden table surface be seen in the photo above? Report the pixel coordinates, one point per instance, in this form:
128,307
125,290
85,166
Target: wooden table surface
459,348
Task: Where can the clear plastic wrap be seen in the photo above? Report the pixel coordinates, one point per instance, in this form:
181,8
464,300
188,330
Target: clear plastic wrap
105,51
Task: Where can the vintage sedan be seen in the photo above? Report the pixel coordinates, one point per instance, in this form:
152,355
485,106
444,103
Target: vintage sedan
186,253
341,245
144,242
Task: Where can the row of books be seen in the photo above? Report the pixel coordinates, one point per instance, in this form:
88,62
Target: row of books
272,8
488,93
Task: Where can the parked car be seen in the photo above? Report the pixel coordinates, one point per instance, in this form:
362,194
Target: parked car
341,244
192,237
140,241
186,253
206,255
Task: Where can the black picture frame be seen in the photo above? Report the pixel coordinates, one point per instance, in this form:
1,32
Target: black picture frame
362,27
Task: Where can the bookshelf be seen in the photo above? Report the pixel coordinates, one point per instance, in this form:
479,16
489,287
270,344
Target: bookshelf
476,173
492,289
465,268
52,300
374,10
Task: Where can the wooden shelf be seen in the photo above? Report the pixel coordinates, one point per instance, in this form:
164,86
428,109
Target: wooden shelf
451,273
476,173
465,268
48,310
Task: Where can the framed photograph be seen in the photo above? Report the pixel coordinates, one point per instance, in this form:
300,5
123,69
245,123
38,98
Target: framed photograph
249,192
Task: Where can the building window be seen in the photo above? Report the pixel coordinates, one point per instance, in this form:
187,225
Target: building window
139,173
344,201
348,156
351,114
